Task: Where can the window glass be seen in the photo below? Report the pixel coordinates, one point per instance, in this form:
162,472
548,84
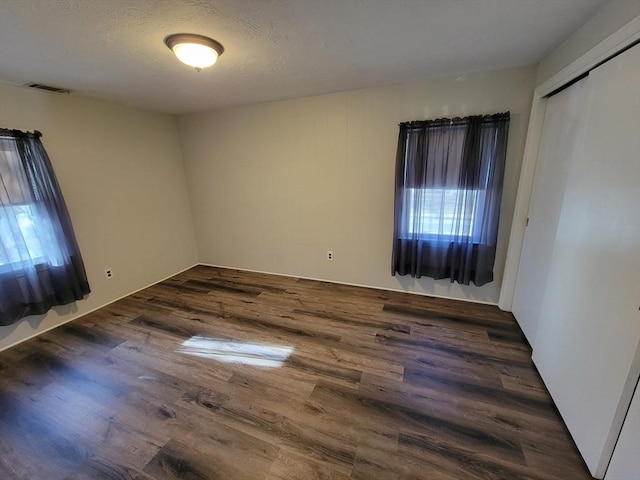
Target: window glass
442,211
19,227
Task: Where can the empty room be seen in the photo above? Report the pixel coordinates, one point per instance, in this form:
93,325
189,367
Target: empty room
319,239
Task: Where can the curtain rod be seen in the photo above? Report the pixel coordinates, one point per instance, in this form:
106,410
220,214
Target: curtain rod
457,120
14,133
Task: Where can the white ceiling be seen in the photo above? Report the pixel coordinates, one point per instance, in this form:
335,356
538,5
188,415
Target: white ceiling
274,49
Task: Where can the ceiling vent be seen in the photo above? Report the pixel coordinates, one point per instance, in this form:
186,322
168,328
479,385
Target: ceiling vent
48,88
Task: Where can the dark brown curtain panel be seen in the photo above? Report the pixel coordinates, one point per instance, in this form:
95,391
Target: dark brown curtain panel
448,189
40,262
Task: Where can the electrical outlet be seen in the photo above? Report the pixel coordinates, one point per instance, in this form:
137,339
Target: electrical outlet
108,272
329,254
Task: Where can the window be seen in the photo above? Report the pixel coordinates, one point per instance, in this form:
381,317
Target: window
449,176
40,262
26,234
24,222
443,212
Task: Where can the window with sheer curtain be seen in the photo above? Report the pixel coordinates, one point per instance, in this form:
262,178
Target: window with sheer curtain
40,261
449,176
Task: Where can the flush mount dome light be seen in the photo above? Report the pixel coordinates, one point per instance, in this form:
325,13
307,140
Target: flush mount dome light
196,51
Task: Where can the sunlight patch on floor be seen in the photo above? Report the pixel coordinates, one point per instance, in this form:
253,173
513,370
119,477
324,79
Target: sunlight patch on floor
244,353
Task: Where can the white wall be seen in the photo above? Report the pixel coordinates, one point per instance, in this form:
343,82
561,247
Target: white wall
609,18
122,176
274,186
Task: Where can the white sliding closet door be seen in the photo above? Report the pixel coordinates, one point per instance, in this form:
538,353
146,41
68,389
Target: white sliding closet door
578,287
563,129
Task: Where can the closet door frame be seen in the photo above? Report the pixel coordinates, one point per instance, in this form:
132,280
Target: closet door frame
623,38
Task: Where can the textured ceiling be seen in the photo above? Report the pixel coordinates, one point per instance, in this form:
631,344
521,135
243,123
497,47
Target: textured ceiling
274,49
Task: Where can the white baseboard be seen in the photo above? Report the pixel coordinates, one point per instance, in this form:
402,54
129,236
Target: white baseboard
374,287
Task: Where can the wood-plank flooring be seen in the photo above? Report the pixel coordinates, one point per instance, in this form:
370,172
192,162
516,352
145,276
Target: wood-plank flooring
226,375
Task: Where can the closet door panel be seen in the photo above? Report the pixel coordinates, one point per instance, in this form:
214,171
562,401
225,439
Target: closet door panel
589,323
563,129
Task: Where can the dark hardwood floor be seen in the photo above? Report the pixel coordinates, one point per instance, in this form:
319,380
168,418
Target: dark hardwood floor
223,375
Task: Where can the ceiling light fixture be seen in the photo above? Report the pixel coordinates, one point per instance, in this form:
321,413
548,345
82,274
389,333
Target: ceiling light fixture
196,51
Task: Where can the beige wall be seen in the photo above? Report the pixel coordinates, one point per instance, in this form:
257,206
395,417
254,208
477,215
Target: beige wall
122,176
608,20
274,186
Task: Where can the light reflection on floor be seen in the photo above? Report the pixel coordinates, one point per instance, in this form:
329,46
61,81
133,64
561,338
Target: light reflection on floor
245,353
